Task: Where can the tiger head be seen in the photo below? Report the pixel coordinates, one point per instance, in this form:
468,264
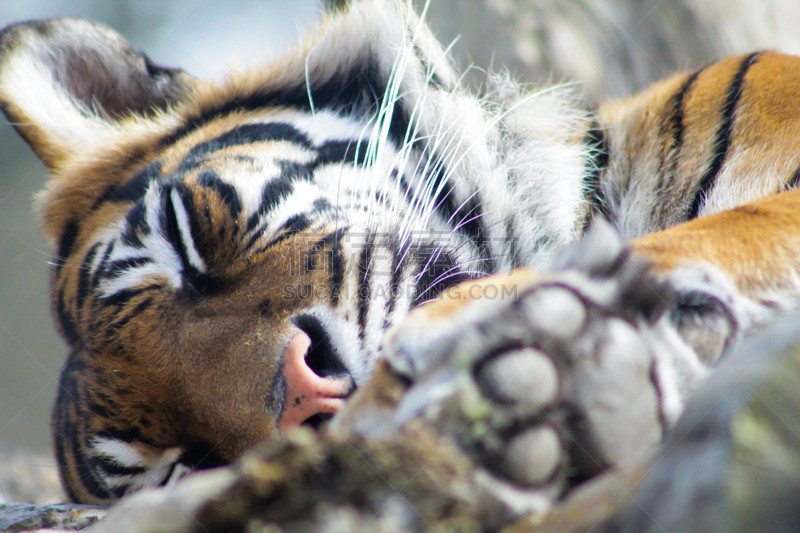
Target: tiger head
228,256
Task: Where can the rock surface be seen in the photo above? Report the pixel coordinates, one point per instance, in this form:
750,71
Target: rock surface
28,478
732,462
62,517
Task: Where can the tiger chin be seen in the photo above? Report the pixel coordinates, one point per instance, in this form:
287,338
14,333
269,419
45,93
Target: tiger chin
235,260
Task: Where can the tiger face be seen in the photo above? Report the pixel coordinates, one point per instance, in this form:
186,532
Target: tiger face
228,257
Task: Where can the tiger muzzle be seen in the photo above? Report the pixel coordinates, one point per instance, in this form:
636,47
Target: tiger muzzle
317,384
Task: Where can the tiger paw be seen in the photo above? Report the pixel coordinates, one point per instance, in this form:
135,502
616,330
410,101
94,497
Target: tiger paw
544,378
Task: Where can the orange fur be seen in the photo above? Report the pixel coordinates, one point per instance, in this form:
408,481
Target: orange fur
756,244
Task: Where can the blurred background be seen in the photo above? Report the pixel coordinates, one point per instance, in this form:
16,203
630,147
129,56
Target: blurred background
611,47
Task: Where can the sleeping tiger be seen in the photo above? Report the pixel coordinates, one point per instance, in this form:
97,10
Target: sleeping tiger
349,230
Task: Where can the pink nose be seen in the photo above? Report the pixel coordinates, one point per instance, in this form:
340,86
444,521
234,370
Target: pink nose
308,394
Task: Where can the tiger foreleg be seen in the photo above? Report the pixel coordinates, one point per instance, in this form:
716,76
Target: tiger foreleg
544,378
549,377
732,271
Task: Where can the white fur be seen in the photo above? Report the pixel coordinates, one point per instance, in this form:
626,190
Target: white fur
156,463
121,452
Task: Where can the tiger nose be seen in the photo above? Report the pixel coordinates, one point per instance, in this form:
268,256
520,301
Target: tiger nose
308,393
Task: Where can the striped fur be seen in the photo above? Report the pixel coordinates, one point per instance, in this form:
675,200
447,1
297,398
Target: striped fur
197,226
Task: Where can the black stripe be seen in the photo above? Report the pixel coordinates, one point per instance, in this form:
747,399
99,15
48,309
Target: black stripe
331,245
472,224
247,134
64,434
112,404
723,136
322,205
439,270
124,296
255,236
673,122
445,197
335,260
85,467
277,190
274,192
132,190
597,161
97,409
61,453
165,480
65,321
137,310
135,226
293,171
400,253
66,244
169,222
293,226
226,191
68,436
128,434
467,217
364,295
102,266
795,181
119,491
330,239
340,152
677,112
84,280
360,88
118,267
123,320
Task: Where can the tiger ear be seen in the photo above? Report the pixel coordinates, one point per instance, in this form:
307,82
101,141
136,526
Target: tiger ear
65,84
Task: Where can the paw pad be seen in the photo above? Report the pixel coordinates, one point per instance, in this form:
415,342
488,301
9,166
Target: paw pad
532,457
554,311
523,375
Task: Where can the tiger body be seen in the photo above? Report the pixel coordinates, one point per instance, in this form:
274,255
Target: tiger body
199,228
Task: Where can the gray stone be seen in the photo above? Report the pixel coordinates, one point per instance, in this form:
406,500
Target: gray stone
63,516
